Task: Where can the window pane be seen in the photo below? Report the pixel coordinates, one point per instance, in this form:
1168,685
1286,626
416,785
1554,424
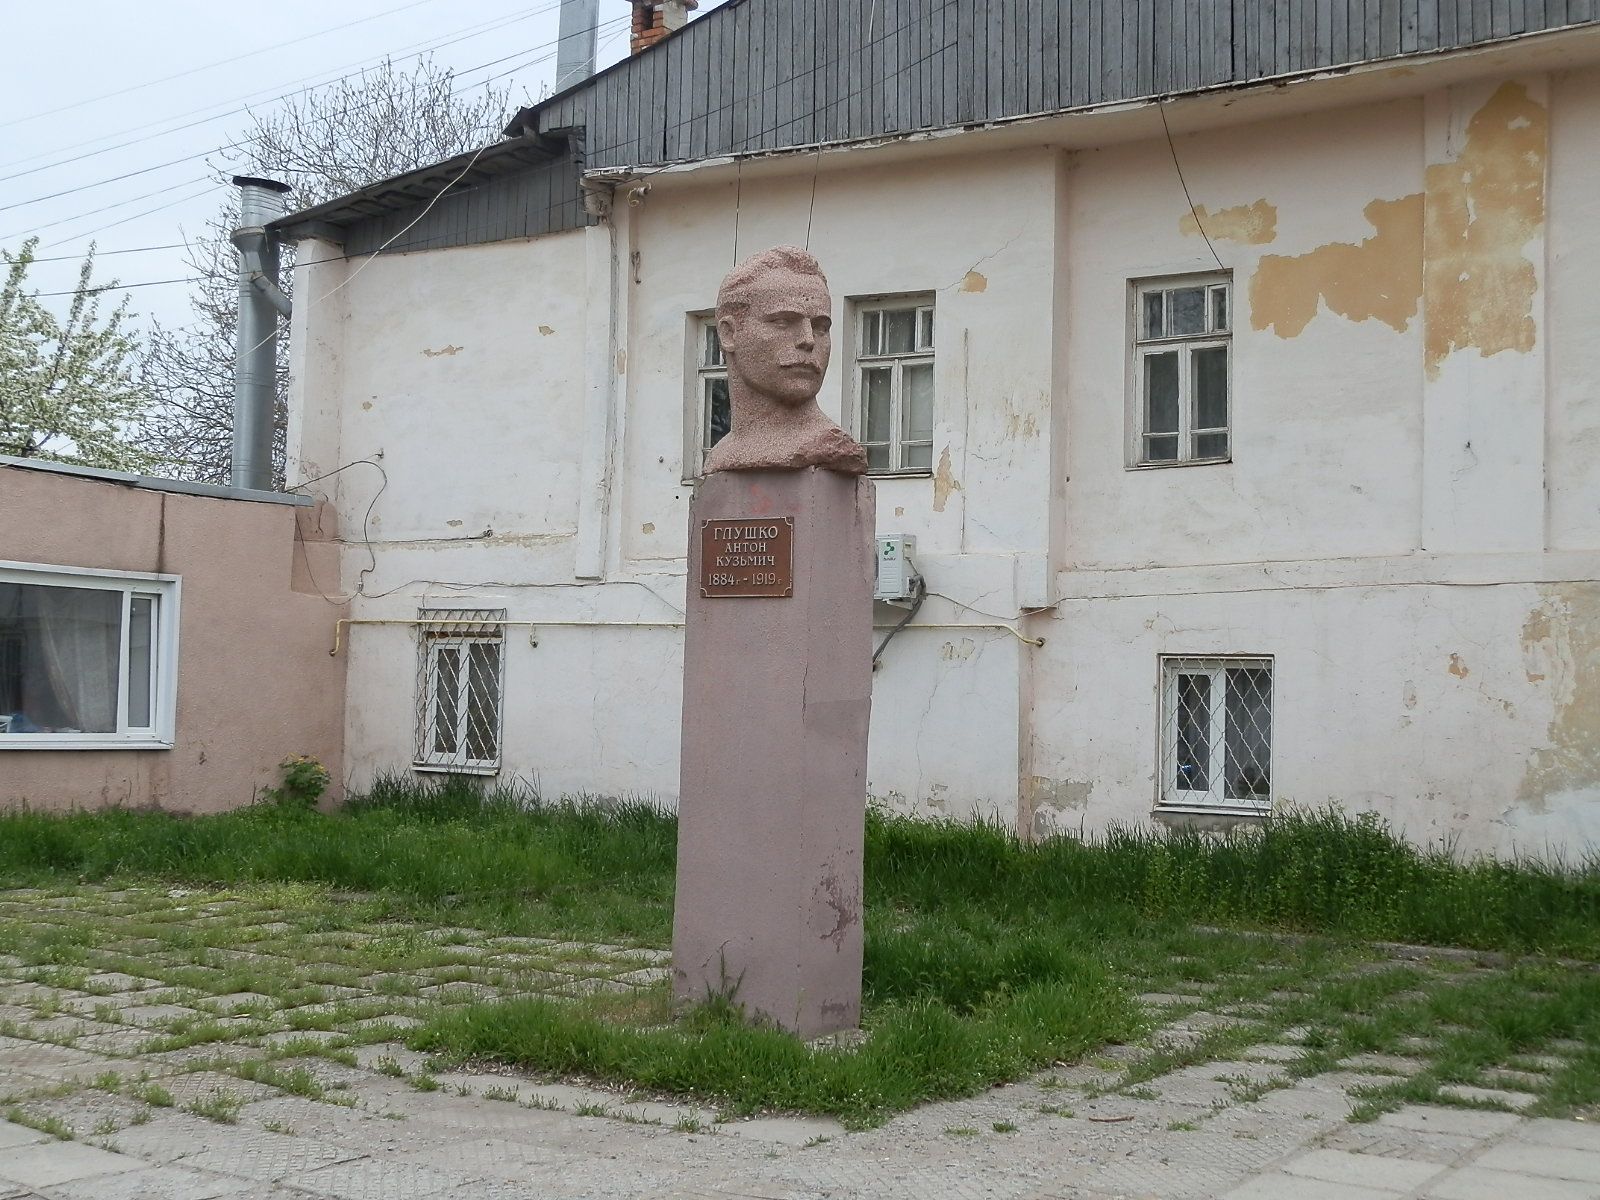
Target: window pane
1154,326
141,660
1247,768
876,383
1163,448
1188,311
719,410
1193,767
1219,309
917,457
711,354
446,683
483,701
877,458
872,332
925,329
1211,445
899,330
1161,393
916,398
1210,387
64,647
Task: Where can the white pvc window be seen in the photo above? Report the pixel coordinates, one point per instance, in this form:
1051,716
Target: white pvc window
894,384
713,403
460,690
88,659
1216,732
1182,376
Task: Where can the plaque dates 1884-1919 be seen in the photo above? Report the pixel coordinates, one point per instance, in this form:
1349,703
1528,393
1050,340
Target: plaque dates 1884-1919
747,557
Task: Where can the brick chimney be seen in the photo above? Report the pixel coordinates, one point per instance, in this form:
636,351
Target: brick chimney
655,19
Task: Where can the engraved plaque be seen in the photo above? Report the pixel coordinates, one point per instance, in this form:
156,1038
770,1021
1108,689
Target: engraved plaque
747,557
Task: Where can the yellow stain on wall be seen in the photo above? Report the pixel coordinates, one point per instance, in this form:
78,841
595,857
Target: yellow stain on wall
1562,638
1250,224
1482,211
944,482
1379,279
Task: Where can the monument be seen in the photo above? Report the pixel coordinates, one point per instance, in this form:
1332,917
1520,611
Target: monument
777,680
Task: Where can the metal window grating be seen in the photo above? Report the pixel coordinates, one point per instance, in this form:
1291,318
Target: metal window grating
460,689
1216,732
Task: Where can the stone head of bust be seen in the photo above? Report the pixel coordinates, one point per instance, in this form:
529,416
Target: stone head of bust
775,321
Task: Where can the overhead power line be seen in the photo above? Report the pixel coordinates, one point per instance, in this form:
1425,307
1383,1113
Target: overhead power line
106,208
222,149
305,37
269,95
104,253
120,287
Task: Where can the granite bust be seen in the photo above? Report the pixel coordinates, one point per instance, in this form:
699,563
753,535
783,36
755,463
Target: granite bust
774,317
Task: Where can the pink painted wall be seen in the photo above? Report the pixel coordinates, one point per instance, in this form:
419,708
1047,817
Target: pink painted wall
255,680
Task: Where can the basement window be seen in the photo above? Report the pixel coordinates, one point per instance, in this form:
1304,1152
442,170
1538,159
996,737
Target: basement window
1216,733
894,384
1182,375
460,690
88,659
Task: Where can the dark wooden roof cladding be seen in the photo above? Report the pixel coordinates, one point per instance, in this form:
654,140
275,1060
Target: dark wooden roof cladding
765,75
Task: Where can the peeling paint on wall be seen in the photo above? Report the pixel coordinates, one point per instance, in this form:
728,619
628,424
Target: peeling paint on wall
443,350
1482,210
1251,224
1048,801
1378,280
1458,667
944,482
1562,636
974,282
545,330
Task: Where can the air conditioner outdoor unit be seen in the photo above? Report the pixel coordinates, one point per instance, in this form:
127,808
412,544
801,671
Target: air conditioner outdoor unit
897,576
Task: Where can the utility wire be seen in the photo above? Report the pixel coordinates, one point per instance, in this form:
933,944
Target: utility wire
321,78
118,287
105,208
306,37
103,253
236,145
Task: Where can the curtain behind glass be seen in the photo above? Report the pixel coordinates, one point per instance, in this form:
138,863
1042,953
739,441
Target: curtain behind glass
73,638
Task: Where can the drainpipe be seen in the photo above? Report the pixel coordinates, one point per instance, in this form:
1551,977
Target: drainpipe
575,51
261,302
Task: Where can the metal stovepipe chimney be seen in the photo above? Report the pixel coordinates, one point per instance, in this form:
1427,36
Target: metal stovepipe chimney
261,302
575,52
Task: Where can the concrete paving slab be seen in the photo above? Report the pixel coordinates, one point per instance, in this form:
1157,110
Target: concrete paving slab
1478,1183
1542,1161
1282,1187
19,1135
261,1156
1574,1135
783,1131
1431,1118
61,1162
152,1183
1363,1170
380,1179
1515,1101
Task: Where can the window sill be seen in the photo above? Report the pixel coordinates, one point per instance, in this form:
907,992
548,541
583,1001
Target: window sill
1183,462
918,474
27,741
1241,808
452,769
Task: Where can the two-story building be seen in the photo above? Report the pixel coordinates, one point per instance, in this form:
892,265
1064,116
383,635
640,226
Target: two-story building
1234,365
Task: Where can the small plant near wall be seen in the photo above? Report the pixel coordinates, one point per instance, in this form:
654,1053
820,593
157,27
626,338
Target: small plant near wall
304,781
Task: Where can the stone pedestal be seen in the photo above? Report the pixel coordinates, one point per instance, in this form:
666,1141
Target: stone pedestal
776,694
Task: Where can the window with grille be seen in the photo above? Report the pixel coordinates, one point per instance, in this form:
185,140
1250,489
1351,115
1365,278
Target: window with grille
1216,731
460,687
894,378
712,403
1181,343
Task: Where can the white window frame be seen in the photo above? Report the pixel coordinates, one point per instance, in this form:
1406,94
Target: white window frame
703,366
457,629
1214,797
923,352
165,591
1184,345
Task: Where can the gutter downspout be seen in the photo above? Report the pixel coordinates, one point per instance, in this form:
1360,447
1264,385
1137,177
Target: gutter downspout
261,301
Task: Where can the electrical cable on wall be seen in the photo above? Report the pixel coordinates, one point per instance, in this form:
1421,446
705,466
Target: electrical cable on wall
1193,211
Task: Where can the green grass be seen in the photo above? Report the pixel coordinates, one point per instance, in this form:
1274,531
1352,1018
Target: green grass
986,959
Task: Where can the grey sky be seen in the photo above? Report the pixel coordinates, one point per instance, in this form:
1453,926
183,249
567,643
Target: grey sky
65,60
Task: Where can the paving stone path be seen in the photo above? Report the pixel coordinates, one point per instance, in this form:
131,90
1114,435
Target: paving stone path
177,1046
